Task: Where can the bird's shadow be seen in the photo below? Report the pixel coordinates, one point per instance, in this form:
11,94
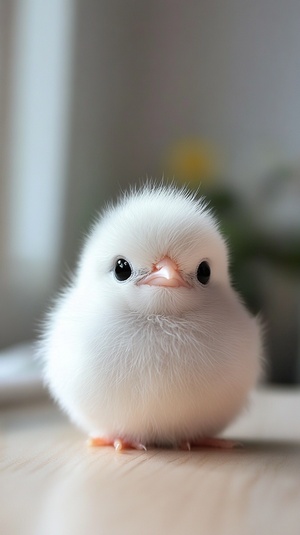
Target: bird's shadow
250,450
270,446
258,447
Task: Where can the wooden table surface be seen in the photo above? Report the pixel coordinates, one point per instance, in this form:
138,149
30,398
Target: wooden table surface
51,483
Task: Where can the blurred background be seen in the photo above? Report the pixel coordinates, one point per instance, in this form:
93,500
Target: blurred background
99,94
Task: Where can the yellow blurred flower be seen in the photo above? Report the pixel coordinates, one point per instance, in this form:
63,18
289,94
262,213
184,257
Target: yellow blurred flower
193,161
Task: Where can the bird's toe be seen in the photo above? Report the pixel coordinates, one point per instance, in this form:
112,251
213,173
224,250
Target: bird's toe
118,443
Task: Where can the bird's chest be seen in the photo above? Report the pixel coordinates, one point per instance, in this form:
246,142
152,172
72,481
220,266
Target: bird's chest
150,371
150,354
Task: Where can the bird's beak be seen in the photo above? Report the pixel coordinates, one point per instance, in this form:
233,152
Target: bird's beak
165,273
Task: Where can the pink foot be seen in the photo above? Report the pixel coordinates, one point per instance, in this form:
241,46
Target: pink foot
221,443
118,443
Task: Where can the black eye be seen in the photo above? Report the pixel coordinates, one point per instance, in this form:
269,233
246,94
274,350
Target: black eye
122,269
203,272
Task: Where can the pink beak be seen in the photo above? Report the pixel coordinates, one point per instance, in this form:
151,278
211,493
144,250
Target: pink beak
165,273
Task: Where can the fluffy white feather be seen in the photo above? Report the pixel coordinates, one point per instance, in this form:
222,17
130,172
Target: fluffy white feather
145,362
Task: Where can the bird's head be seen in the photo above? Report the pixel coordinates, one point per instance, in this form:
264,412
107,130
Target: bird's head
159,251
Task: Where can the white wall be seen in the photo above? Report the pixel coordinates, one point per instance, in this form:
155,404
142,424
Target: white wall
149,73
34,102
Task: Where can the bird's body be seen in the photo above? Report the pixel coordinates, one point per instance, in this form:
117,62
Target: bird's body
150,343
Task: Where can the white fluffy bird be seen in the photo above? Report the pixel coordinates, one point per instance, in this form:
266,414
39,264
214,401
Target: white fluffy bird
150,344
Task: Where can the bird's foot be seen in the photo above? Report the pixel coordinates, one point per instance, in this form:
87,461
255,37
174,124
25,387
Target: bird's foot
118,443
220,443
